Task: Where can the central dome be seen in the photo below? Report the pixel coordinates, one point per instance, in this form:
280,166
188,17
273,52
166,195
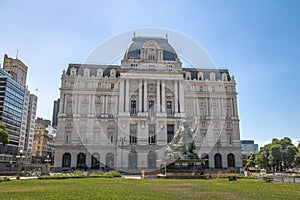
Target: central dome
134,49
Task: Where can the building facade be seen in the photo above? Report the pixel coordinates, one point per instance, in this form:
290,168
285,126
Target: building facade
248,148
123,117
44,140
16,68
30,125
55,113
11,110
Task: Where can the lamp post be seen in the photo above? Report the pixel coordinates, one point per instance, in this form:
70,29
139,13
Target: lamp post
47,160
19,157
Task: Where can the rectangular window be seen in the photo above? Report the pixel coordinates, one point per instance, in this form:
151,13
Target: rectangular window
112,86
151,107
203,138
202,112
133,107
227,113
133,134
170,132
229,138
169,109
152,137
110,132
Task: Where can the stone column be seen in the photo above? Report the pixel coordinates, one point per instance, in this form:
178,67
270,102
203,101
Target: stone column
75,103
90,104
127,96
61,105
65,103
181,97
195,107
145,96
88,159
232,108
121,97
140,95
93,104
106,104
73,159
176,96
158,97
235,107
103,104
207,107
163,97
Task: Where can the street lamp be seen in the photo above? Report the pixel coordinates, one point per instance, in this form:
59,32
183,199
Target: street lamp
19,157
47,160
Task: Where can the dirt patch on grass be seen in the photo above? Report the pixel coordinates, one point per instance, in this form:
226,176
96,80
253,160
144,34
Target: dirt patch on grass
175,187
16,190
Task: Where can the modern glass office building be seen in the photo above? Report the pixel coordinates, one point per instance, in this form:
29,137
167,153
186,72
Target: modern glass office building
11,108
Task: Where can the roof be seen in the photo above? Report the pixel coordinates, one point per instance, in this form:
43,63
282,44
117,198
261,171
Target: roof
93,69
106,70
133,50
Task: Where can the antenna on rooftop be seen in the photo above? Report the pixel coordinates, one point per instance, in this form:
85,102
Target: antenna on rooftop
166,35
36,91
134,34
17,54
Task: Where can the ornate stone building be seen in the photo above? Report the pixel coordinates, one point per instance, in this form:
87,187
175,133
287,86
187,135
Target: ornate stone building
122,117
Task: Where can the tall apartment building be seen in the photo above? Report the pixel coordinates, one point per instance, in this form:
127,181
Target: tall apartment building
123,117
44,140
30,126
16,68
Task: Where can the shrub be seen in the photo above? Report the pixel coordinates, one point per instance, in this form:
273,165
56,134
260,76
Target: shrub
4,179
232,177
268,178
80,174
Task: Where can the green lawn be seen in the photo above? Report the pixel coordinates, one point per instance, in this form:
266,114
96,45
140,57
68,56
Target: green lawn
120,188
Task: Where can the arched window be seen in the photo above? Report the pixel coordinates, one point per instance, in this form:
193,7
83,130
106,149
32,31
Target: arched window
151,160
66,160
95,161
218,161
81,157
109,160
205,165
230,160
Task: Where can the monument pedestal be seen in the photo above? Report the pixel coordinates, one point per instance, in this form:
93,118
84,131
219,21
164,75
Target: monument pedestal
183,169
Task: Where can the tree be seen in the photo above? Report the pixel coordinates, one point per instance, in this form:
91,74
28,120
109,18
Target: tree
278,154
297,156
3,134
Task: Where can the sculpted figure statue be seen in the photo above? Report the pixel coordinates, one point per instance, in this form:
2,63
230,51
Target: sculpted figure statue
182,145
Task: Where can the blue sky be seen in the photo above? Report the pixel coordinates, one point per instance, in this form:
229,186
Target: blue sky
258,41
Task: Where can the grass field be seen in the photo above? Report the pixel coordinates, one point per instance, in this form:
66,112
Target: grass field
120,188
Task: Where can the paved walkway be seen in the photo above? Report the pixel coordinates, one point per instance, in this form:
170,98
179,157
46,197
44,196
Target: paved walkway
132,177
